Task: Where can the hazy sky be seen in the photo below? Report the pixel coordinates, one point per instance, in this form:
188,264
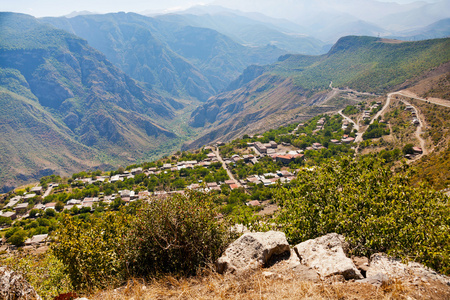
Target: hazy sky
40,8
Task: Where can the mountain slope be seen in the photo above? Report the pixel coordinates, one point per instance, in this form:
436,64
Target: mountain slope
166,55
93,103
265,97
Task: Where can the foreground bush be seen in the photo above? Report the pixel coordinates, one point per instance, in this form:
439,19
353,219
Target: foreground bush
89,249
43,271
177,235
377,210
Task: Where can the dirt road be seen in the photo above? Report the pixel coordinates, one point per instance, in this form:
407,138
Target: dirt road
355,126
437,101
217,153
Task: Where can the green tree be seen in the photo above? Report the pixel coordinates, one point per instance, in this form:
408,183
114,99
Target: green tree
377,210
408,149
18,238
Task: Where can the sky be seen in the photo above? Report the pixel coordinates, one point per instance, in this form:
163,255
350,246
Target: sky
41,8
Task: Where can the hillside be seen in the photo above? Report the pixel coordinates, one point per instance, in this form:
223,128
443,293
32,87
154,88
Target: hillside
180,60
286,88
74,86
300,180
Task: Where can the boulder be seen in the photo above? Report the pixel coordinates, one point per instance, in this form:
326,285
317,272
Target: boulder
252,251
14,287
394,268
378,280
327,256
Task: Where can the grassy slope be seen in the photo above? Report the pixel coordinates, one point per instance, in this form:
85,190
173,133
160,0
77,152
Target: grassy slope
365,63
33,140
75,87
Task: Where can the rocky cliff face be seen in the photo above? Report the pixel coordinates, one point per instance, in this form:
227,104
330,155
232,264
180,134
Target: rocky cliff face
92,102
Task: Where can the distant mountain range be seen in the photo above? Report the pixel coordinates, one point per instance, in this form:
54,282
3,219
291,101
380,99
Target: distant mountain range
96,91
179,59
326,20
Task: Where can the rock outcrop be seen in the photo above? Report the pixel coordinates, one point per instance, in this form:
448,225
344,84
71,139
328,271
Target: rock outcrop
391,267
326,254
251,251
14,287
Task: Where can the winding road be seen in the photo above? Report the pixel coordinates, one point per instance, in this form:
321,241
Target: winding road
355,126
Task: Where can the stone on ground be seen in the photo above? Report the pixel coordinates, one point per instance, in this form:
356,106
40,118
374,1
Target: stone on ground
14,287
394,268
252,251
327,256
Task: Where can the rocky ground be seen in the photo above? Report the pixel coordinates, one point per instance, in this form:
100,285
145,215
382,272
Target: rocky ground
264,266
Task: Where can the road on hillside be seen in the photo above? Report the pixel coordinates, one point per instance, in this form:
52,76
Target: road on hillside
385,107
217,153
355,126
419,128
418,132
437,101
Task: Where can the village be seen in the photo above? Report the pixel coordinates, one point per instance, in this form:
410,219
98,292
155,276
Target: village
247,166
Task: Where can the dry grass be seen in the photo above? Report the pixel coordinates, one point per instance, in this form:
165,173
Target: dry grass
256,286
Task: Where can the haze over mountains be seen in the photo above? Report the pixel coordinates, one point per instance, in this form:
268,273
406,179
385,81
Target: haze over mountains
100,90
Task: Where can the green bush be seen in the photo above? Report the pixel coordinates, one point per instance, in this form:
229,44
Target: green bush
375,209
89,250
18,238
177,235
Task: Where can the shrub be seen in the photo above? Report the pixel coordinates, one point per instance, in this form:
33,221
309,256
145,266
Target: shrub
177,235
408,149
376,210
89,250
18,238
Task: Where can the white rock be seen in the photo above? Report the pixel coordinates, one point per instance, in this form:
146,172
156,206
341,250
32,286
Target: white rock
14,286
394,268
252,251
326,255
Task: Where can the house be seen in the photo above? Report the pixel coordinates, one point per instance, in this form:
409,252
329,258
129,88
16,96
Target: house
416,121
417,150
36,240
51,205
337,142
253,203
28,196
273,145
21,208
73,202
40,206
9,214
317,146
348,140
194,186
409,108
37,190
266,182
234,186
211,155
13,201
211,184
254,160
288,158
166,166
260,147
136,171
230,181
116,178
